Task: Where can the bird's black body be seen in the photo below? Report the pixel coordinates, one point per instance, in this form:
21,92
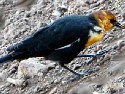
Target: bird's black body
47,42
61,41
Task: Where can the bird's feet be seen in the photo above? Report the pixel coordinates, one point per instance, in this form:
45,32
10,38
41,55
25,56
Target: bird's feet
81,74
88,71
94,56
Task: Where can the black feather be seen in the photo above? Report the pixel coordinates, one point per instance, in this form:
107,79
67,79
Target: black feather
10,56
46,41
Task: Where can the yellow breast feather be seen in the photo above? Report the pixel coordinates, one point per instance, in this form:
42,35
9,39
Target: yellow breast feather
94,37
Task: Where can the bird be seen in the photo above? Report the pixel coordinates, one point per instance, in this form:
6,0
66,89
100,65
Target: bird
63,40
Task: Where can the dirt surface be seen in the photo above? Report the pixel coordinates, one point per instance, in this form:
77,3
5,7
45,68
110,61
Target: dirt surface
20,18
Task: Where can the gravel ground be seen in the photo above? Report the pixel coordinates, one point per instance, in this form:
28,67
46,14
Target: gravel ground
20,18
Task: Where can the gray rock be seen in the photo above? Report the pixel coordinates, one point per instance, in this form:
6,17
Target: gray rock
32,67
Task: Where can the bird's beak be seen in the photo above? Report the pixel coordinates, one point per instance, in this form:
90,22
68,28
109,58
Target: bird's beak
117,24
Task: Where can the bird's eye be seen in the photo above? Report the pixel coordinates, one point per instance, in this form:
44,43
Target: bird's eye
113,21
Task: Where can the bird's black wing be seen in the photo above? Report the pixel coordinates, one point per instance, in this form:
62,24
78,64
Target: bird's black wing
62,32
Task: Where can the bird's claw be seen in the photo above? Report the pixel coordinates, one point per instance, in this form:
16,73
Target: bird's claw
104,51
93,56
89,61
79,75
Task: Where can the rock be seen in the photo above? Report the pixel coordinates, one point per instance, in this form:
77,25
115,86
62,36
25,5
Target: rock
76,66
53,91
50,64
63,8
123,15
116,85
56,13
96,92
97,68
32,67
85,88
112,87
17,82
2,22
89,2
37,89
13,68
60,10
116,69
4,74
23,3
120,44
94,5
101,1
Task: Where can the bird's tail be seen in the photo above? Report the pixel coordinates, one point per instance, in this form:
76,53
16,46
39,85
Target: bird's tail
10,56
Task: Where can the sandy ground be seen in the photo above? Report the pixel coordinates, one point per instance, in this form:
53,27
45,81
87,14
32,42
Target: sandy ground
20,18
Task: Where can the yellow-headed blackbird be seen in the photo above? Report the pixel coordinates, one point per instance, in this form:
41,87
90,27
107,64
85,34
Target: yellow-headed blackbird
63,40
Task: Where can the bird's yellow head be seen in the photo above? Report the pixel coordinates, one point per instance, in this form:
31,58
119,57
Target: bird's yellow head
106,20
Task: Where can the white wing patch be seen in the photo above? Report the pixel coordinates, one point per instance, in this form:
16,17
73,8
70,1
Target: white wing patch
64,47
96,31
78,40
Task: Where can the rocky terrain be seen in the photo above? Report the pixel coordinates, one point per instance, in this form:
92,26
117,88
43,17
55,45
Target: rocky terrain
21,18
